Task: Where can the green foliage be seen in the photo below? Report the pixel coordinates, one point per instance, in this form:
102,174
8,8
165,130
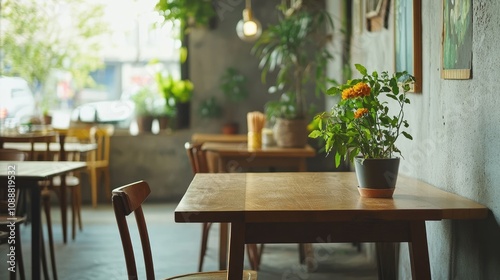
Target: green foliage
233,85
187,13
35,42
210,108
361,123
296,48
174,91
144,101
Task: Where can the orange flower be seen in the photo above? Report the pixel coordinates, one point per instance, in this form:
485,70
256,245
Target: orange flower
358,90
348,93
362,89
360,112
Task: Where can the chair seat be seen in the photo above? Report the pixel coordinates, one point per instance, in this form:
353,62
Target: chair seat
214,275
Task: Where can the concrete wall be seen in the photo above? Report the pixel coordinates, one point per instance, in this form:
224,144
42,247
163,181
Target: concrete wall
455,126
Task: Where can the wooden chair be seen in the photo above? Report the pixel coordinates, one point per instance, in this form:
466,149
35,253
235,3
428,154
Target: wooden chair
12,155
198,160
20,218
128,199
99,167
199,165
80,134
35,154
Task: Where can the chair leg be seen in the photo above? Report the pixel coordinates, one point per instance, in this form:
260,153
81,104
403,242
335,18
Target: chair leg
93,186
19,254
73,212
79,205
204,241
107,183
44,257
46,206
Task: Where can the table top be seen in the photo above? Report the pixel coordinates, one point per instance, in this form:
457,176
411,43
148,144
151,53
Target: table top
314,197
38,170
54,147
225,138
241,149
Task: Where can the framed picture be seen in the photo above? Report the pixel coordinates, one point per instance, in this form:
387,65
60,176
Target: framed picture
408,39
456,53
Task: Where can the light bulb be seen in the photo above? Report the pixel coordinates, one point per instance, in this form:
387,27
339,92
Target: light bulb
248,28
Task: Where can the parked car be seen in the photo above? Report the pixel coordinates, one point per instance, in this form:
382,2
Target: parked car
114,112
16,99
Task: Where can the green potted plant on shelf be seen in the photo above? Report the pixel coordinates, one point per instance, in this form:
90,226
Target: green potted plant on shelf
363,129
177,93
210,108
296,47
144,102
234,87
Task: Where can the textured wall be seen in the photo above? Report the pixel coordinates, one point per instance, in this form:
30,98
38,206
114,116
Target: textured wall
456,147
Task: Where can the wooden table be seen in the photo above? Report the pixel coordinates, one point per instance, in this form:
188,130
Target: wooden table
319,208
55,148
235,156
221,138
27,175
223,157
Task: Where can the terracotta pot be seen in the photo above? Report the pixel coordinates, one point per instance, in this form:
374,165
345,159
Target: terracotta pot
144,123
230,128
163,122
290,133
376,177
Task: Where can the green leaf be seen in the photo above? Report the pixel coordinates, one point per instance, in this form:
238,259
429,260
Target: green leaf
315,134
361,69
407,135
338,157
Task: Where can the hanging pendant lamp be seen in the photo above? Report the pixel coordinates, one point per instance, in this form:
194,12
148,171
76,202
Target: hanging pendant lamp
248,28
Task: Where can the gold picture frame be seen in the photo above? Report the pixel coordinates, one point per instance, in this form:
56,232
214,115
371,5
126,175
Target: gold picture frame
408,39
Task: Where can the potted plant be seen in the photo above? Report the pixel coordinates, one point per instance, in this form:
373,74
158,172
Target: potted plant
233,86
296,48
177,93
163,112
210,108
361,127
144,101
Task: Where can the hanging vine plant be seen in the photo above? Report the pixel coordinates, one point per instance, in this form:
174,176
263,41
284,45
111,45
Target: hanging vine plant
187,13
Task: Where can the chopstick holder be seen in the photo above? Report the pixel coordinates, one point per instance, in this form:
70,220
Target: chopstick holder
255,121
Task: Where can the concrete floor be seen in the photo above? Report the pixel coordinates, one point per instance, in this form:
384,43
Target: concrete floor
96,252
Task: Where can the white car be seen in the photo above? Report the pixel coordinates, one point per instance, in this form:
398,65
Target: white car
16,99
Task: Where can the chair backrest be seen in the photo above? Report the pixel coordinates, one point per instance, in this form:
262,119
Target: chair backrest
197,157
128,199
32,139
12,154
102,134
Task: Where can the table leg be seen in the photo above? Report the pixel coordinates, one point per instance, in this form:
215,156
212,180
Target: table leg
223,246
36,227
64,214
236,251
419,254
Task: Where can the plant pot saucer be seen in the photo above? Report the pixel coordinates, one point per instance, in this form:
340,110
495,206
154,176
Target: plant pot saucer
376,193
